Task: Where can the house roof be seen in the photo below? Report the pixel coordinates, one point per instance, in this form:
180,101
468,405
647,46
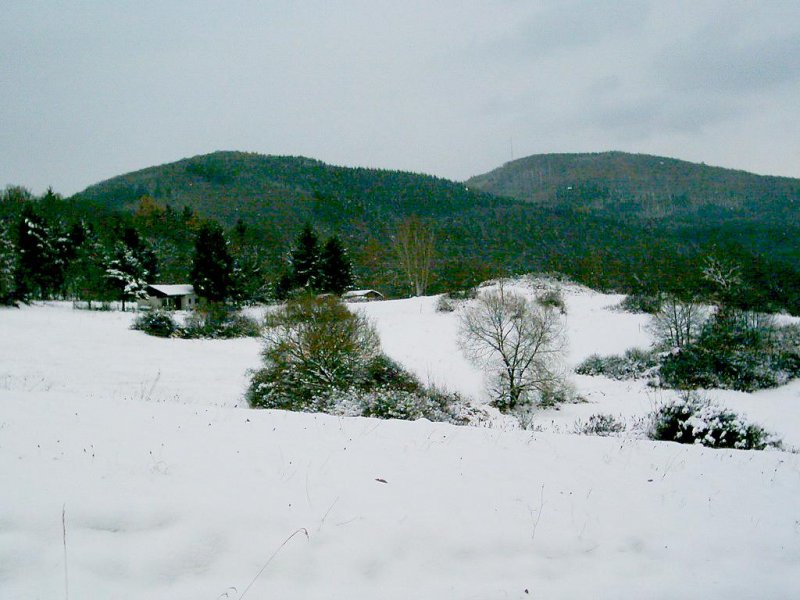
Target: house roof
180,289
361,293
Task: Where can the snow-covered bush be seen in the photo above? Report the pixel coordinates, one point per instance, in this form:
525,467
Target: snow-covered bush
215,323
600,424
445,304
398,397
219,321
557,392
553,298
320,357
633,364
450,301
156,322
693,419
382,372
735,350
388,403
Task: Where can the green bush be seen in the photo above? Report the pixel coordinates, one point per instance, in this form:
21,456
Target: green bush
156,322
388,403
692,419
449,302
219,321
312,345
383,372
553,298
320,357
734,351
281,387
641,303
633,364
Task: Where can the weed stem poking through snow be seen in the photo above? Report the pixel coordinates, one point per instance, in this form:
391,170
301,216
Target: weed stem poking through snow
539,514
302,530
64,538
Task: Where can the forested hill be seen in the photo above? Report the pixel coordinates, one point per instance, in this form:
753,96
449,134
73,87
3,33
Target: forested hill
639,186
285,190
478,235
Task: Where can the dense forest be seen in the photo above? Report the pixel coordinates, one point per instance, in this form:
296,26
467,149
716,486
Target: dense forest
263,202
695,202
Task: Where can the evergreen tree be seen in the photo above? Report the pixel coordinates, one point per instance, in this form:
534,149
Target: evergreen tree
283,286
42,256
212,267
141,250
305,260
335,267
125,274
8,267
86,276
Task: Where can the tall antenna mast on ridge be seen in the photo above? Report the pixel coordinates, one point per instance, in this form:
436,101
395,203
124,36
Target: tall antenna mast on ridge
511,145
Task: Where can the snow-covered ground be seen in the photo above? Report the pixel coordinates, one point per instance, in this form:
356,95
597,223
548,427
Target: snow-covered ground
172,489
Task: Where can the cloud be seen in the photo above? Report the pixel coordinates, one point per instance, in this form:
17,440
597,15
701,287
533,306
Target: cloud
718,62
98,89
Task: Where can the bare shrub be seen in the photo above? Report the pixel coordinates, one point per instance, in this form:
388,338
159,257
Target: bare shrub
678,324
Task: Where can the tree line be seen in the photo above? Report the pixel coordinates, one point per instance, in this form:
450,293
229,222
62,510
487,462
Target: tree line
52,249
414,252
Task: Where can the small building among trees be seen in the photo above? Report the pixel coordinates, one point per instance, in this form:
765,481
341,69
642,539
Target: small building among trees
170,297
362,296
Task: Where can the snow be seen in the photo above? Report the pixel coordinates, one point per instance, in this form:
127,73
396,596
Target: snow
171,488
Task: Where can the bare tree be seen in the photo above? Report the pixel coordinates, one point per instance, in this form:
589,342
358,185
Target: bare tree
518,340
726,279
414,245
678,323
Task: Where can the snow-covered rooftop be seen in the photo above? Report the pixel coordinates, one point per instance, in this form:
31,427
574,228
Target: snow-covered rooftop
180,289
361,293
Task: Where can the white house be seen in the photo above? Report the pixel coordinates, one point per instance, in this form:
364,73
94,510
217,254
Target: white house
170,297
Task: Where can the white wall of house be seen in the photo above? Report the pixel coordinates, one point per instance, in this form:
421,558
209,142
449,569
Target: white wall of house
187,302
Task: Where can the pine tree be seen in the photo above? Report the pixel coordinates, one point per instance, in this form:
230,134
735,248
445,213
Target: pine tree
212,267
305,260
335,267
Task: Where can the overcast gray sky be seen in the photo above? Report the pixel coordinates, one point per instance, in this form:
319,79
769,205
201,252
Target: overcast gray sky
93,89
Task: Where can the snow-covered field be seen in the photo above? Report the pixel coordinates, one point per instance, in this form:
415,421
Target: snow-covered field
170,488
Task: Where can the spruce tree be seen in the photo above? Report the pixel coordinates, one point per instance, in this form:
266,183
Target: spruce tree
335,267
305,260
125,274
212,267
42,256
8,267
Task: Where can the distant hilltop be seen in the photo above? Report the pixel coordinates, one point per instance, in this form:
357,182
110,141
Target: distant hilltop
641,186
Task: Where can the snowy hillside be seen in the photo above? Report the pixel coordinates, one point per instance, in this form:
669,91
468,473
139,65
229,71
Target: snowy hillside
172,489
